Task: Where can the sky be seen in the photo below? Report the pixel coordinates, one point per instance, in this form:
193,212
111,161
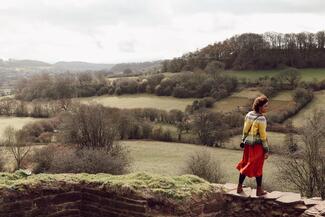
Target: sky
115,31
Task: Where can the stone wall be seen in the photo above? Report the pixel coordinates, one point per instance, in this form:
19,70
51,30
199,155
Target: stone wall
63,199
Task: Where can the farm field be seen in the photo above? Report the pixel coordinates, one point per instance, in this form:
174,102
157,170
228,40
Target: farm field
170,159
244,98
318,103
15,122
140,101
306,74
276,142
116,78
8,96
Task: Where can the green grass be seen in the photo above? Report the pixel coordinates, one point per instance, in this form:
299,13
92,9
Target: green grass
243,98
284,96
9,96
172,187
249,93
170,159
275,139
306,74
14,122
116,78
318,103
139,101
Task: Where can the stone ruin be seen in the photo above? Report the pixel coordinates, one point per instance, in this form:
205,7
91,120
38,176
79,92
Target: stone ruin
60,198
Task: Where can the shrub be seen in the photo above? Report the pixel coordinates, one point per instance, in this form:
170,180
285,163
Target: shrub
203,165
302,96
306,170
210,127
90,126
2,164
92,161
45,137
158,133
40,131
42,158
54,159
39,111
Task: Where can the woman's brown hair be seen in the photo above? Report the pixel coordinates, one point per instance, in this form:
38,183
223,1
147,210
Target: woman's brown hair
259,102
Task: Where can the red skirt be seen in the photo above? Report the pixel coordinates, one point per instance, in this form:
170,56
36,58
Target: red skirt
253,159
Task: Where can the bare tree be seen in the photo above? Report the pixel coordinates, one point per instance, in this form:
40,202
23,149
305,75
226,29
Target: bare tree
90,126
305,169
202,164
215,68
210,127
291,77
14,142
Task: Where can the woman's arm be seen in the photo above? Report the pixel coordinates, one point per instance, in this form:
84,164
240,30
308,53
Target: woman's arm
262,132
245,128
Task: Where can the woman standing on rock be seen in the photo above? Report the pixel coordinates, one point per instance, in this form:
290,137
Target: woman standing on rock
255,145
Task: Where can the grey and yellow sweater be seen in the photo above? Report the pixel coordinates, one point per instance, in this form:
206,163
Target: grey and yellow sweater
257,133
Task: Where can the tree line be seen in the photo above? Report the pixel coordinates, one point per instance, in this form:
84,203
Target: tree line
63,86
256,51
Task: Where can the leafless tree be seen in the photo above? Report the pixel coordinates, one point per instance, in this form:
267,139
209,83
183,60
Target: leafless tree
14,142
305,169
90,126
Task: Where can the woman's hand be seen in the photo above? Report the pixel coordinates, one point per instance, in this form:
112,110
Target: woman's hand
266,155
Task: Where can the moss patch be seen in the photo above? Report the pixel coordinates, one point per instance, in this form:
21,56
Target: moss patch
171,187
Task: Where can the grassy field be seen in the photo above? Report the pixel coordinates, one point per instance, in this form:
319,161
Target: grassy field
318,103
170,159
15,122
140,101
284,96
244,97
116,78
307,74
276,140
273,137
9,96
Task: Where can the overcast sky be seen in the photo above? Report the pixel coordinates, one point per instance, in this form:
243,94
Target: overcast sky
112,31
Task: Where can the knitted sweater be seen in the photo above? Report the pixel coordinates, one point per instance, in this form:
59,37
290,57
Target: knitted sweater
257,133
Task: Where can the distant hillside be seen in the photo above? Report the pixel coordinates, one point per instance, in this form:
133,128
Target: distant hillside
137,67
34,65
23,63
81,66
250,51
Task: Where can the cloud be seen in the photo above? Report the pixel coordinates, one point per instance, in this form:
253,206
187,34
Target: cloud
250,6
138,30
127,46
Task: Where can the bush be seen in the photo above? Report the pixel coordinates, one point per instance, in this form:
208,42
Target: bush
203,165
45,137
302,96
40,131
2,164
210,127
54,159
90,126
306,170
39,111
42,158
158,133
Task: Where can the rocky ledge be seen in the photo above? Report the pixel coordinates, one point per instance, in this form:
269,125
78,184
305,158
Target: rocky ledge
141,194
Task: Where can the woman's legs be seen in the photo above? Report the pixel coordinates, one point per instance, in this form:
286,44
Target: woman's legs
259,181
241,178
259,189
240,183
